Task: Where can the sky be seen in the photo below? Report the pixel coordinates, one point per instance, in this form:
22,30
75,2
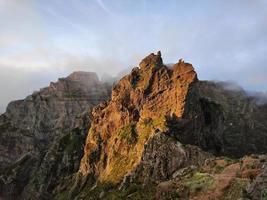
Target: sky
41,40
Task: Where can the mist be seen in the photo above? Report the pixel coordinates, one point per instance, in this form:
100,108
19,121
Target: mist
260,97
41,41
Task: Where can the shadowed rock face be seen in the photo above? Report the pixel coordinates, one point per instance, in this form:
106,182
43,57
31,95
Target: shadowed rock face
32,123
162,159
224,122
46,131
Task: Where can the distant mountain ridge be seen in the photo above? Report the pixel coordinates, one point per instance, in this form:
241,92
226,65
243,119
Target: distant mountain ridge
55,118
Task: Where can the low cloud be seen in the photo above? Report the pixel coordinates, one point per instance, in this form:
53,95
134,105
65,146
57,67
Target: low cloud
259,97
17,84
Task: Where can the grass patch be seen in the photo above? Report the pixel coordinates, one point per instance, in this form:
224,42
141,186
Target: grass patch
218,169
236,190
128,133
229,160
92,193
159,123
148,125
198,182
119,167
109,191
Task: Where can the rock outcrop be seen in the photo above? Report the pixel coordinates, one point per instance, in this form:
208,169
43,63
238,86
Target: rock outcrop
42,136
139,106
222,121
162,160
258,188
144,134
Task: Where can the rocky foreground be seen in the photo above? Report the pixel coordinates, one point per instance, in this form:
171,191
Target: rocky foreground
162,135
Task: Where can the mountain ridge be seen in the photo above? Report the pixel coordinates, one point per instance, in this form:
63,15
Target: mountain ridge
159,134
53,119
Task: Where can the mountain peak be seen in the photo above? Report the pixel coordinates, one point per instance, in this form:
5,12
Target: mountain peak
140,104
152,60
161,130
83,76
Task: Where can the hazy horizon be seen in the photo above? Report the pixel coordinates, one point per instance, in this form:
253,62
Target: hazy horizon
42,40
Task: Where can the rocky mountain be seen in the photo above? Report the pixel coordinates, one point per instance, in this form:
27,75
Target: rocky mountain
137,137
163,134
139,104
42,136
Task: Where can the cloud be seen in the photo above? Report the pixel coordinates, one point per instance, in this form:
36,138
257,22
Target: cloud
57,37
18,83
259,98
104,7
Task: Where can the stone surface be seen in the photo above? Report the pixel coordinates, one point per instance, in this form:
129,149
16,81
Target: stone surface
46,131
162,159
222,121
140,103
258,188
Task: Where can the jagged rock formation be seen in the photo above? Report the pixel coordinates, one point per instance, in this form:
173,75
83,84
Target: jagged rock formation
162,159
162,135
42,136
138,107
222,121
134,138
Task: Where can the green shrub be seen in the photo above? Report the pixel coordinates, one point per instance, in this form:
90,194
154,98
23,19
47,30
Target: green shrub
236,190
218,169
128,133
198,182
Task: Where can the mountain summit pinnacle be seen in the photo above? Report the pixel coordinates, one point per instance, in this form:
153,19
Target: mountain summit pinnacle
140,104
151,61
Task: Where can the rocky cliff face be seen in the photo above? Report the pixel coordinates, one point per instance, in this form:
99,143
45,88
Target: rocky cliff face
163,135
137,137
42,136
222,121
138,108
